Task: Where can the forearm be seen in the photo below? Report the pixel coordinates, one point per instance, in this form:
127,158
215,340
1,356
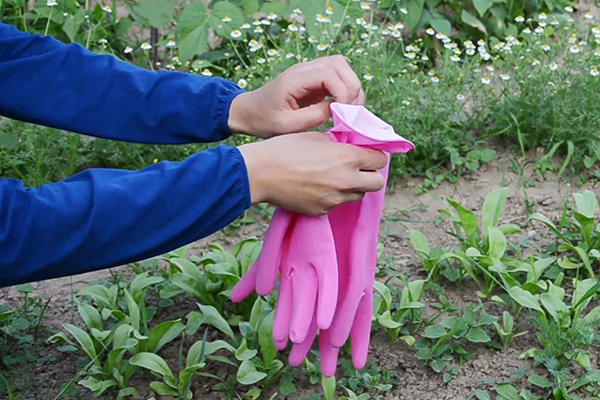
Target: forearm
46,82
105,218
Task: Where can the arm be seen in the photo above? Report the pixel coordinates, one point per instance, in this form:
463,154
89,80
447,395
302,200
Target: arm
105,218
46,82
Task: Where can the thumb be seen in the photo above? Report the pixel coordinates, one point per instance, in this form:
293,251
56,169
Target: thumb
309,118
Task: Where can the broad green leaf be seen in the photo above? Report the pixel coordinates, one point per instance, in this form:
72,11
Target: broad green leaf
212,347
132,310
96,386
194,321
70,27
248,375
471,20
385,293
244,353
141,282
250,7
586,203
278,8
227,17
554,305
538,268
434,331
482,6
508,391
524,298
164,333
584,290
441,25
256,313
415,10
386,321
329,385
482,395
101,295
212,316
265,339
586,379
492,208
84,340
193,44
540,381
468,220
162,389
90,315
152,362
478,335
583,359
419,242
497,243
158,13
509,229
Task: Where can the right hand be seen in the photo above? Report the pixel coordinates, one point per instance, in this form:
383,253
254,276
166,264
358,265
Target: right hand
310,174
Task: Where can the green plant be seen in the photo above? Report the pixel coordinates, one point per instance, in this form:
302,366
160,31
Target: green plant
505,331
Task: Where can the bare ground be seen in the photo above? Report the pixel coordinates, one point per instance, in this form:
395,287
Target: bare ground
54,368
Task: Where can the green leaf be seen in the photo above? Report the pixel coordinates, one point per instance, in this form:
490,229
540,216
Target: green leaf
250,7
222,10
248,375
164,333
162,389
70,28
478,335
276,7
434,331
158,13
84,340
213,317
492,207
96,386
586,379
543,219
508,391
193,44
482,6
133,311
265,340
554,305
497,243
524,298
90,315
384,292
415,10
442,25
468,220
586,203
329,385
482,395
419,242
244,353
540,381
152,362
471,20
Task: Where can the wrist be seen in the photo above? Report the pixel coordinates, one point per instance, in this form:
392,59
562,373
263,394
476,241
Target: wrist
238,114
256,165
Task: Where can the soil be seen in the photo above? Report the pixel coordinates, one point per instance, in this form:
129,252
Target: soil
53,368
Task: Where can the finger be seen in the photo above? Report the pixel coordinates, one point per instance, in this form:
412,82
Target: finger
348,76
246,285
300,350
283,312
361,331
368,182
271,253
369,159
308,117
280,345
328,353
321,78
327,272
304,292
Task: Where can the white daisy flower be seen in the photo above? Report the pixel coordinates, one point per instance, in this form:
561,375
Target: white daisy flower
107,9
553,66
589,15
246,26
486,80
542,17
505,77
236,34
243,83
435,79
146,46
460,97
322,47
329,10
272,52
206,72
575,49
430,31
520,19
368,77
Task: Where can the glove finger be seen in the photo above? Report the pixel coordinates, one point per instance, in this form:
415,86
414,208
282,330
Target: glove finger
328,353
345,314
271,254
327,272
280,345
361,331
283,311
304,292
246,285
300,350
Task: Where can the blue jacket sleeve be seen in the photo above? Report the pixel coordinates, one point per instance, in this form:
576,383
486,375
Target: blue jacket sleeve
49,83
103,218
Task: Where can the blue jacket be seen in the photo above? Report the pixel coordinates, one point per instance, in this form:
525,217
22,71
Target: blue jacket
103,218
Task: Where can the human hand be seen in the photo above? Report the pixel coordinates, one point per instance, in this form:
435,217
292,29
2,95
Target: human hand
310,174
295,100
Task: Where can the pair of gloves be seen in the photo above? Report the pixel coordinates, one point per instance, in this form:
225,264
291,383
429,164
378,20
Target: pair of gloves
326,264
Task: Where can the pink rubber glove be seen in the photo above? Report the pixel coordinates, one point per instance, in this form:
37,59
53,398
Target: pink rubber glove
302,249
355,228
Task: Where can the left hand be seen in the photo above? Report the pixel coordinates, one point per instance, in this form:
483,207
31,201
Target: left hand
295,100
